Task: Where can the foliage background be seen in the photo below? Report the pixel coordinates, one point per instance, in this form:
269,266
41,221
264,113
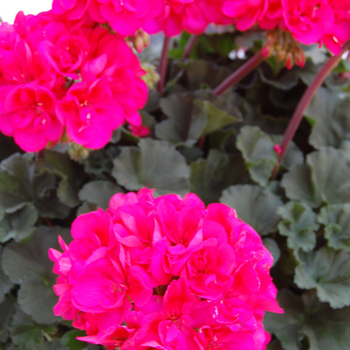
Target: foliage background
222,149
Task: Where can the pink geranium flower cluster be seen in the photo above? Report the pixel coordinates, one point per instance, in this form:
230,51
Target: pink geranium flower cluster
309,21
165,273
61,74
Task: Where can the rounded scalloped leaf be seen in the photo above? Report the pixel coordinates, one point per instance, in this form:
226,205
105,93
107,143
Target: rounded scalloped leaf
209,177
28,264
23,181
184,124
336,219
298,224
306,317
324,179
330,118
156,164
254,205
96,194
258,153
19,224
329,272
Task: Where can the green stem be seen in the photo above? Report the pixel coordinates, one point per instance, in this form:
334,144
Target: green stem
163,64
189,46
240,73
304,102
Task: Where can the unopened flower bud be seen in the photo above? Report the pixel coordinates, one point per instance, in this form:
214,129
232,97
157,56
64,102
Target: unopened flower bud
151,77
300,58
138,43
290,61
77,152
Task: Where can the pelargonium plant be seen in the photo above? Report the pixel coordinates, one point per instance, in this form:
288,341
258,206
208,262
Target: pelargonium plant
184,200
165,273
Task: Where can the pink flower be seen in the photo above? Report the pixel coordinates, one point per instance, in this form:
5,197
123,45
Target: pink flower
339,33
90,113
67,55
273,17
308,20
140,131
165,273
245,12
28,114
74,9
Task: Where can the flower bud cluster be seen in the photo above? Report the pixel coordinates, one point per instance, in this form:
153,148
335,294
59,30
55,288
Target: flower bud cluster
165,273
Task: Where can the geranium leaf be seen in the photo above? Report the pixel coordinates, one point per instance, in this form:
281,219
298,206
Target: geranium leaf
273,248
254,205
329,272
96,194
331,117
19,224
306,317
69,340
21,181
299,225
5,283
286,81
258,153
6,310
185,120
26,333
27,264
324,179
209,177
70,173
156,164
336,219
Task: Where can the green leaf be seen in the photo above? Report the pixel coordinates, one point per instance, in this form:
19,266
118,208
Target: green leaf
155,164
306,317
21,181
28,264
96,194
299,225
254,205
336,219
217,118
324,179
211,176
5,283
70,173
287,81
329,272
69,340
27,334
6,311
273,248
199,72
258,153
19,224
330,113
185,121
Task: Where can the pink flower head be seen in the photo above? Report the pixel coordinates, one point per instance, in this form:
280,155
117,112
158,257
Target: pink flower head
90,113
308,20
245,12
339,33
74,9
165,273
28,114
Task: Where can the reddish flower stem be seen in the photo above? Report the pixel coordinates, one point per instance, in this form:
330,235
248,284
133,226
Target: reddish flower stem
240,73
189,46
163,64
304,102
